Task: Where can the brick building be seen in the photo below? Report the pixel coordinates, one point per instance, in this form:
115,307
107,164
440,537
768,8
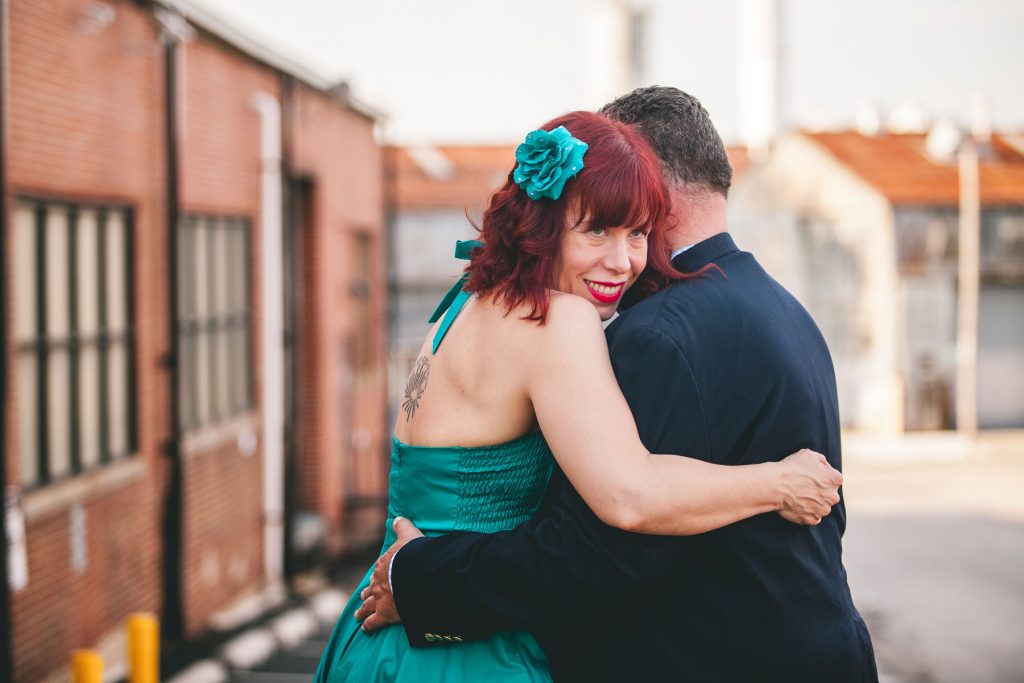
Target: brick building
194,321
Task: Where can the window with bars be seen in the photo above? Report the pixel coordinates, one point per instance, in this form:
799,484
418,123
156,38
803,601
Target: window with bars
214,320
1002,243
74,334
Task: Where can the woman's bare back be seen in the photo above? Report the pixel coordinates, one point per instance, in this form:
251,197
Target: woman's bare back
472,391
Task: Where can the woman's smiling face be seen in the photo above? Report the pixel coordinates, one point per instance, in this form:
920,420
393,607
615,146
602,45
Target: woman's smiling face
599,263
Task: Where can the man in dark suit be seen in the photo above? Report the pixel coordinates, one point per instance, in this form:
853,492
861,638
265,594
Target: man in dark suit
728,367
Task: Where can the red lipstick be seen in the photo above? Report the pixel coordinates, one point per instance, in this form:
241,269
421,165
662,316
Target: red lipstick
612,291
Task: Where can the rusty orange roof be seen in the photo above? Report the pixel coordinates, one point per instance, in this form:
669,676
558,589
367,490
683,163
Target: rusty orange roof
457,177
739,158
900,168
460,177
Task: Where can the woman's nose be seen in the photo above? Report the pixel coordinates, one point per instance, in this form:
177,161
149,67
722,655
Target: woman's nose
617,257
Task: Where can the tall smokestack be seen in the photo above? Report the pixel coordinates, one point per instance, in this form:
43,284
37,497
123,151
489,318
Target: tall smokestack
606,50
758,74
981,118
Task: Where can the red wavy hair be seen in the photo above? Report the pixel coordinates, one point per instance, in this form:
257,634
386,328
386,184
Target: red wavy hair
620,185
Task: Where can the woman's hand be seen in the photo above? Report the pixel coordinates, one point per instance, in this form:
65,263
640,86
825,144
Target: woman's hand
809,487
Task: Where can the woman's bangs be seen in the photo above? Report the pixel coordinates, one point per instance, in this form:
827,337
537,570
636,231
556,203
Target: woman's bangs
624,199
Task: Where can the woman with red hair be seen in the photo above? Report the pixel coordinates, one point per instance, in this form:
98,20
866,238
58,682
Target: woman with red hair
517,371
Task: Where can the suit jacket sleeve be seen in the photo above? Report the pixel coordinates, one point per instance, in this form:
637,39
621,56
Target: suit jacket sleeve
468,585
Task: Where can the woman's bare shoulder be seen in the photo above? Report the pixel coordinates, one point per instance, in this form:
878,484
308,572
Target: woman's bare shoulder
569,317
569,313
570,334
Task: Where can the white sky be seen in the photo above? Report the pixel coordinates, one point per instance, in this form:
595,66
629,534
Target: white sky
488,71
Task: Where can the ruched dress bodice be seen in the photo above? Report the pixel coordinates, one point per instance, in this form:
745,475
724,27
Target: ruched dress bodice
479,488
442,489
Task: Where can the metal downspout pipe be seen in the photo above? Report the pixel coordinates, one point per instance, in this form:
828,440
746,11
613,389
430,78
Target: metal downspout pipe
173,564
272,333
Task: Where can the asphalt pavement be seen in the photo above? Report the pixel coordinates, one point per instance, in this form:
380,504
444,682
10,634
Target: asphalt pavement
934,550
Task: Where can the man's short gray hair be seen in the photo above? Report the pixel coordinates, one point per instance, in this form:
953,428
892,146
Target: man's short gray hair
680,130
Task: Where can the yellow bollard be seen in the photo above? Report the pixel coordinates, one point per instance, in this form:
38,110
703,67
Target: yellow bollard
144,648
86,666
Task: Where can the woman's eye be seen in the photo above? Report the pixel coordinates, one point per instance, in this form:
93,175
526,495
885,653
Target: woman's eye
638,232
598,231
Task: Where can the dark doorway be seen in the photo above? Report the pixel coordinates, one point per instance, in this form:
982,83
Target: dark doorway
303,531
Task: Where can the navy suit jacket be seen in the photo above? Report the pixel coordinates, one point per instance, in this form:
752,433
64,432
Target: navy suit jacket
728,368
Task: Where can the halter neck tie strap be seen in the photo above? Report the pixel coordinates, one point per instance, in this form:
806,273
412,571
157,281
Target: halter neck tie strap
457,296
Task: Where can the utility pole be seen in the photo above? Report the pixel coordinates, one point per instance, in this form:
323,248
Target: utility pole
968,267
759,74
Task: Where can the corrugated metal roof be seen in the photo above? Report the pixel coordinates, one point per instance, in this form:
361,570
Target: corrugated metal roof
739,158
899,166
453,177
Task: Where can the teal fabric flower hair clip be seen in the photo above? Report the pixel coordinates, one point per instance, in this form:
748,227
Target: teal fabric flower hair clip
546,161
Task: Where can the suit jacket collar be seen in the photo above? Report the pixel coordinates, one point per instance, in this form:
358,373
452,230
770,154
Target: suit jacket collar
703,253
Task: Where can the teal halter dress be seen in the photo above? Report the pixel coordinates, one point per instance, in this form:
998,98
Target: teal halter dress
442,489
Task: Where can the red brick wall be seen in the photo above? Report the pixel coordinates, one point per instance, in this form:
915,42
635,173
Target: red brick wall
220,151
338,153
223,530
84,121
61,610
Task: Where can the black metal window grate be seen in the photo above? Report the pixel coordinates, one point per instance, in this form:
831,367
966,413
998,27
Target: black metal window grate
214,324
74,332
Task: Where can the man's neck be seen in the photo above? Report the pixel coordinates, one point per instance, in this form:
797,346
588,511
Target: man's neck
698,215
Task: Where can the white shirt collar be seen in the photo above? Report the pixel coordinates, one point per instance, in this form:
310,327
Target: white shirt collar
680,250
